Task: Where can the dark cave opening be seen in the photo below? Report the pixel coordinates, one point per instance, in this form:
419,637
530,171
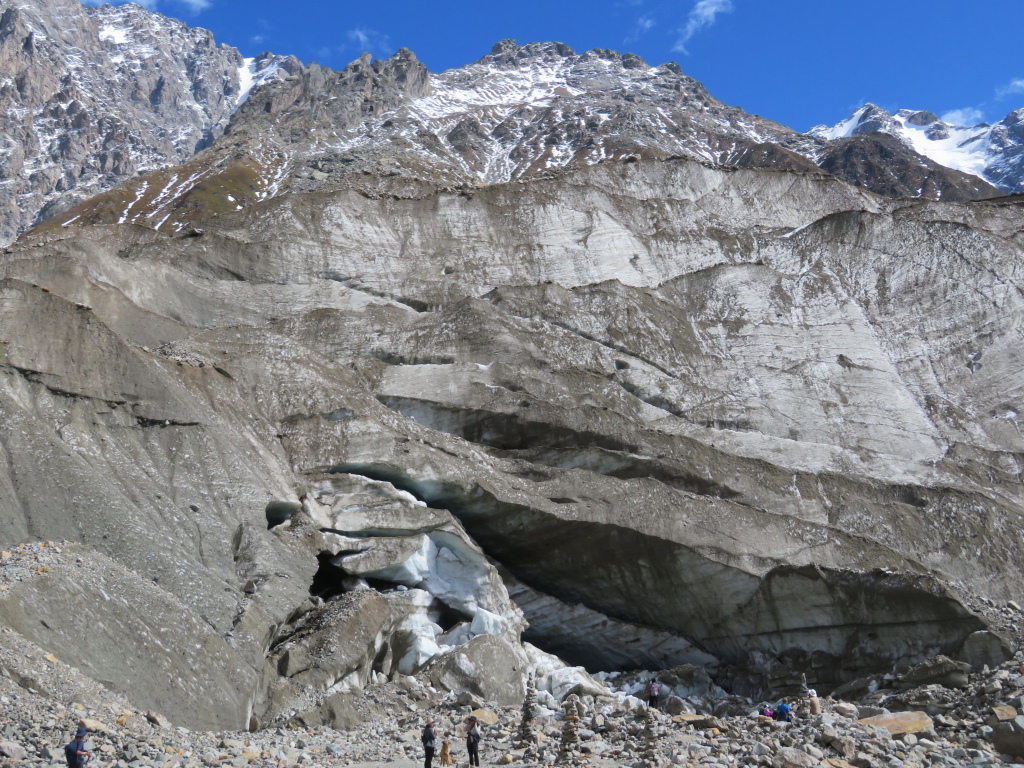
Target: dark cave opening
280,512
329,579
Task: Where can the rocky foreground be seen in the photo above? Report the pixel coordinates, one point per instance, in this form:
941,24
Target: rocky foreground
973,723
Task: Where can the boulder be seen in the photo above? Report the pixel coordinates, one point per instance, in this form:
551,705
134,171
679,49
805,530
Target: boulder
938,670
1008,737
1002,714
856,689
568,680
485,716
899,723
158,720
12,750
488,666
334,648
675,705
789,757
93,726
846,709
984,648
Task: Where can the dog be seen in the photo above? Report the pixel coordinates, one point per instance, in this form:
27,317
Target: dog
446,753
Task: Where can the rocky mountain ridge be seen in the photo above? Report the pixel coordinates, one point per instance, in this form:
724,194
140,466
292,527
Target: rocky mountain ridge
146,93
519,112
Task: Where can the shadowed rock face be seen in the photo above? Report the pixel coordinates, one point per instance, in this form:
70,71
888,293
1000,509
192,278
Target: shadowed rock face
885,165
744,415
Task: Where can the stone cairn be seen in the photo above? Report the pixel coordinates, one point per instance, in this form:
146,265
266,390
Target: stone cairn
650,735
569,748
525,736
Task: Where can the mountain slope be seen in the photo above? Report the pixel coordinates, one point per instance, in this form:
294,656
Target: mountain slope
95,95
760,420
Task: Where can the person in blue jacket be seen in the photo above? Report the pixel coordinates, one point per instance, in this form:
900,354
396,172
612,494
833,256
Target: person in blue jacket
784,712
75,752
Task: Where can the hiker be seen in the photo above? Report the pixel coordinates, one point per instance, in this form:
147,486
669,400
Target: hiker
75,752
784,713
653,691
473,740
429,739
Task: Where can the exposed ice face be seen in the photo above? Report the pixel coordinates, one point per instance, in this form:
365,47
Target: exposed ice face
422,632
378,532
453,573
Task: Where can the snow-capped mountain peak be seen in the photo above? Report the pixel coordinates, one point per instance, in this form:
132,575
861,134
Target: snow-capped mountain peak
992,152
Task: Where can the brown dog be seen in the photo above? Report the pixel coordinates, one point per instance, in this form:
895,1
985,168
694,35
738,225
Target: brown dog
446,753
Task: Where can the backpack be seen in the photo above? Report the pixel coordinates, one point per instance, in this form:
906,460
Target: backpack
654,689
473,734
71,754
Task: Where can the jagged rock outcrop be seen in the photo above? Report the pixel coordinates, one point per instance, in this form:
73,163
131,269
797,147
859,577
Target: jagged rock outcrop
762,412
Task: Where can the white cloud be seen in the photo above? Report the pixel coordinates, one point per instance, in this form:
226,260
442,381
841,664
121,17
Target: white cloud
701,15
368,40
1014,86
642,26
197,5
965,116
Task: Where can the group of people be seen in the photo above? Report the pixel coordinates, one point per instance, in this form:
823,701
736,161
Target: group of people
77,755
784,712
471,730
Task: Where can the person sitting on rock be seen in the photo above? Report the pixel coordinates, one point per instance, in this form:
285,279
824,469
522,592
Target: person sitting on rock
75,752
784,713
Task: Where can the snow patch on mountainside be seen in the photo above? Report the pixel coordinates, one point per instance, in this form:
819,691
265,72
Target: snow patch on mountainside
116,35
256,71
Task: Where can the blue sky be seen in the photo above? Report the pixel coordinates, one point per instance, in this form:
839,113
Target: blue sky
799,62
